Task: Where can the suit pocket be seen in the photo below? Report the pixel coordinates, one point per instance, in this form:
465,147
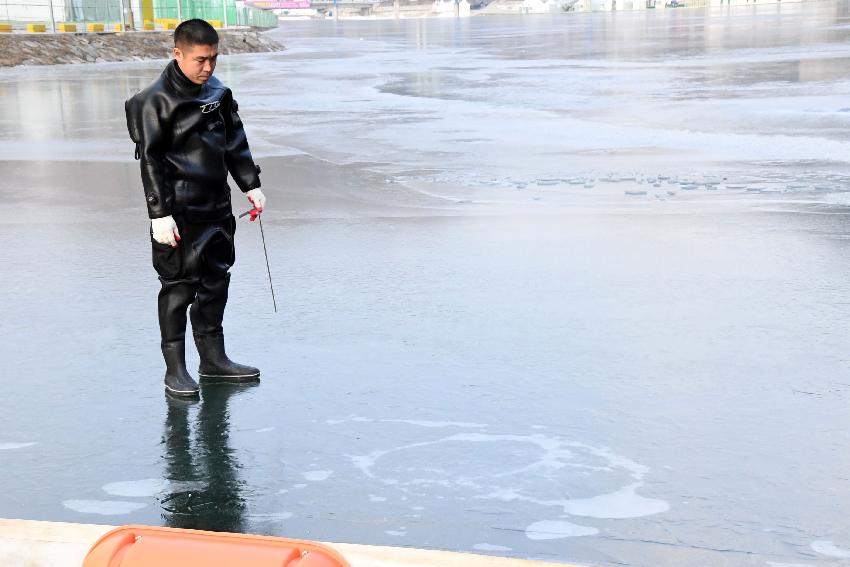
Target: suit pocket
167,260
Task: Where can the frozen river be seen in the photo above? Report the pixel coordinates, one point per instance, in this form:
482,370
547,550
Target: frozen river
566,287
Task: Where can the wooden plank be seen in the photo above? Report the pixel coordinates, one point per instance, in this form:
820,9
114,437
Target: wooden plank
57,544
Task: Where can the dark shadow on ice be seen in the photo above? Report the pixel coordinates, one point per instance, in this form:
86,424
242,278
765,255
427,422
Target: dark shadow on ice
204,489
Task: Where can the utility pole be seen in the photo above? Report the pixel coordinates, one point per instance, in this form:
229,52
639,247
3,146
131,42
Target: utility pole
224,3
179,10
123,17
52,19
131,20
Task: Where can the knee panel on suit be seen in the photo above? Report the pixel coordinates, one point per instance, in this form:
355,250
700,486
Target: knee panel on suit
174,299
208,309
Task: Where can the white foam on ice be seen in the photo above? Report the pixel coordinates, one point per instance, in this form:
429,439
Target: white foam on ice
417,422
555,451
423,423
272,516
842,199
490,547
13,446
830,549
624,503
556,454
317,476
103,507
353,418
136,488
557,529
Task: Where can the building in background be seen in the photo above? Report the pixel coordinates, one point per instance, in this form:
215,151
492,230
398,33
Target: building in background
163,14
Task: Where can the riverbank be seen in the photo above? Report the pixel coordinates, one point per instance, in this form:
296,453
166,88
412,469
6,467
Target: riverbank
57,49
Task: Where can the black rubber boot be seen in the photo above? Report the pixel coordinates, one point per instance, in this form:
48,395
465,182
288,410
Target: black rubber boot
216,367
178,382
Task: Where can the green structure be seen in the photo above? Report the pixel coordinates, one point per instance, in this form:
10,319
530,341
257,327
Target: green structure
213,10
109,11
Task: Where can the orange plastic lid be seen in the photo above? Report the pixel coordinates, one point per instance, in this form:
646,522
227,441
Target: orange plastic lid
145,546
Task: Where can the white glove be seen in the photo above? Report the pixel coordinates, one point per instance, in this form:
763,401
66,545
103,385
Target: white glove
257,199
165,231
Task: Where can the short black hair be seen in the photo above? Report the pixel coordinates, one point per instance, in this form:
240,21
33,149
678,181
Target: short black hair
195,32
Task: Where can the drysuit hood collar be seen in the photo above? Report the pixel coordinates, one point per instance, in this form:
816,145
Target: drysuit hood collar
179,81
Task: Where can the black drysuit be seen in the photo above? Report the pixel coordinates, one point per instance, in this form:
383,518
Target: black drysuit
188,137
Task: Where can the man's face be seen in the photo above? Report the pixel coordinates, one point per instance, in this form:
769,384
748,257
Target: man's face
197,61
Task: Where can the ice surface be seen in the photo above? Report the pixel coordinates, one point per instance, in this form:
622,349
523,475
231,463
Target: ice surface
13,446
317,476
554,529
460,271
103,507
830,549
136,488
621,504
490,547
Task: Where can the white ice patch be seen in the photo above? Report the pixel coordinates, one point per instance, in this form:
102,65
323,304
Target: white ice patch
423,423
490,547
317,476
624,503
556,529
556,454
136,488
103,507
272,517
775,564
373,498
13,446
417,422
264,430
842,199
397,533
353,418
830,549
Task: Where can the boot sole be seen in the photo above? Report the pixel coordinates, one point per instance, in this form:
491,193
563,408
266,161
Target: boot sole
182,393
228,379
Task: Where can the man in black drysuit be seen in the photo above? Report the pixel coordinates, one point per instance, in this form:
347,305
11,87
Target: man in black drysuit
188,136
